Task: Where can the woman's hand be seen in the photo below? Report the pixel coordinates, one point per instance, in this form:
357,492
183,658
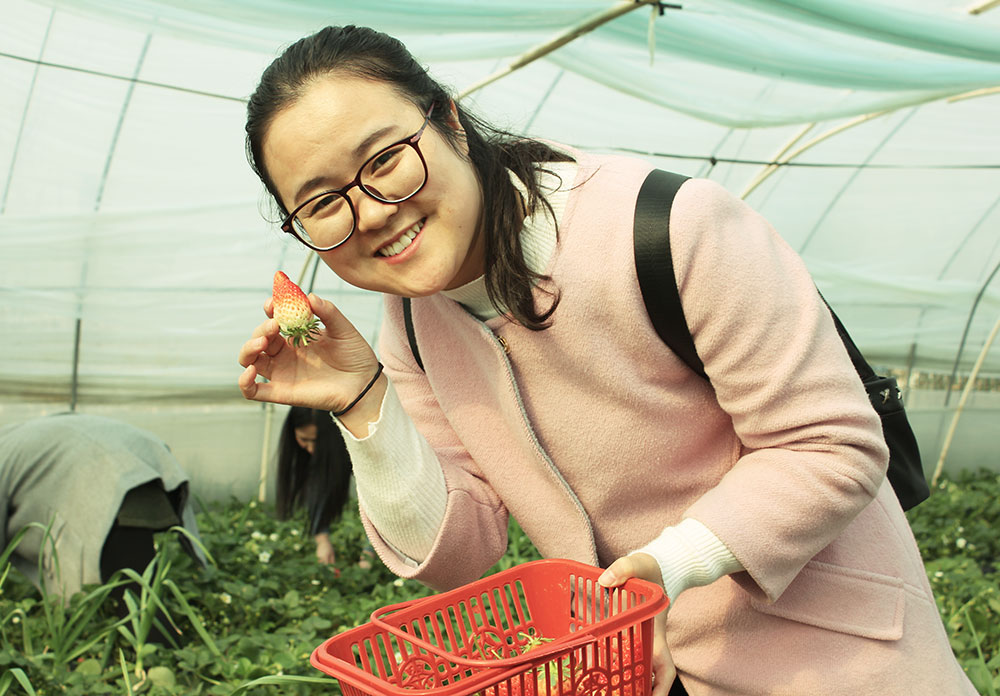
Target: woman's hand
324,550
327,374
644,566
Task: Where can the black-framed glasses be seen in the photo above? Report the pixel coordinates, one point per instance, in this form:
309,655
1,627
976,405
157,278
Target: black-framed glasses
392,175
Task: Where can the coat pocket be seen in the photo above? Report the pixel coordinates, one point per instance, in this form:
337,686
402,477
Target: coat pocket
842,599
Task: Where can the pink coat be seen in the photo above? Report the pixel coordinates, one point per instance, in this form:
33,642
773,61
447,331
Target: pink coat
595,437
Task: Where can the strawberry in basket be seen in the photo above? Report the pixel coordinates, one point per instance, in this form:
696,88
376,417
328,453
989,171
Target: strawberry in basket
546,679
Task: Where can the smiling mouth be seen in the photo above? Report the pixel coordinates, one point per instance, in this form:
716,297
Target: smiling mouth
403,242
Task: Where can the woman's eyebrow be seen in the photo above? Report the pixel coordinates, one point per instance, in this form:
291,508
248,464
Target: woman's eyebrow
366,144
360,151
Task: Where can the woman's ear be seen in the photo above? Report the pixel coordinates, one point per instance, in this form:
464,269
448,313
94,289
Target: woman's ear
456,125
453,120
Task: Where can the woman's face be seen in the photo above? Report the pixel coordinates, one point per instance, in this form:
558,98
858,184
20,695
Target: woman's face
322,140
306,437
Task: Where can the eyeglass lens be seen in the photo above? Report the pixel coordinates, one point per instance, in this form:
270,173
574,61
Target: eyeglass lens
390,176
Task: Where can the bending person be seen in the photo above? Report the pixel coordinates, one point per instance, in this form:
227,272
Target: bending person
314,473
103,487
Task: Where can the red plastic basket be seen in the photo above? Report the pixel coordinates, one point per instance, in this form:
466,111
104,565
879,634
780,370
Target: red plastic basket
544,628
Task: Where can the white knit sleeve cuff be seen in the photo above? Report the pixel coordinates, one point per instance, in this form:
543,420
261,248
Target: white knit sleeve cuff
690,555
400,483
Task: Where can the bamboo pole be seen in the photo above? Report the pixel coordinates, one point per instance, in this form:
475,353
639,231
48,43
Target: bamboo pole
265,451
984,92
305,268
770,168
561,39
773,167
985,6
961,403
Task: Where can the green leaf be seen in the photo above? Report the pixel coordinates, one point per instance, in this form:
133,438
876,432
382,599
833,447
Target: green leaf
89,667
18,675
162,676
282,679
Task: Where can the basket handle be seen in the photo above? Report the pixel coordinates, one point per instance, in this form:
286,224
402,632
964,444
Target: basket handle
536,655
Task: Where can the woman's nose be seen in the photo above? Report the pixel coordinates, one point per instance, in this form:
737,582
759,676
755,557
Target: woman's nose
373,214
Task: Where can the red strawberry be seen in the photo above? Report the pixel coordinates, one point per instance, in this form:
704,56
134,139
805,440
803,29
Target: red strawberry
292,311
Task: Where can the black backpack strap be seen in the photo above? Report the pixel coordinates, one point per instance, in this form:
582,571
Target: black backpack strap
861,366
655,267
410,335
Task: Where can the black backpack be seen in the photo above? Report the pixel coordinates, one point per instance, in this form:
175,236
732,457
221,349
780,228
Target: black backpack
654,268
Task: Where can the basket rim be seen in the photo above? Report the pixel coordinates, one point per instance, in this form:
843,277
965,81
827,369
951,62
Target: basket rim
345,671
491,671
654,600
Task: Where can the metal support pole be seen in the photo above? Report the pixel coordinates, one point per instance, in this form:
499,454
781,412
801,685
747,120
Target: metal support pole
74,384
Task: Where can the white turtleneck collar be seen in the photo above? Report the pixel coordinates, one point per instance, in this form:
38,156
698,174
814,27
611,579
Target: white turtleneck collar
538,236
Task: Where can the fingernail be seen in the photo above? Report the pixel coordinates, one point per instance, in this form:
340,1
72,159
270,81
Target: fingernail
607,578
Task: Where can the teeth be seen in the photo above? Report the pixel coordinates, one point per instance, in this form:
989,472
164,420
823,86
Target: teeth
403,241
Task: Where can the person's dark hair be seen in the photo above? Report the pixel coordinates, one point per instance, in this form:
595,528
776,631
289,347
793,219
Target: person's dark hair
319,482
367,53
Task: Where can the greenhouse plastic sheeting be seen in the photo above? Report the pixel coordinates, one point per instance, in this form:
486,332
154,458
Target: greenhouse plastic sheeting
136,246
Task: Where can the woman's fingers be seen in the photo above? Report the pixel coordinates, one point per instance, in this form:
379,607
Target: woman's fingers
261,342
336,323
255,357
254,352
248,383
251,350
664,671
353,353
270,331
642,565
636,565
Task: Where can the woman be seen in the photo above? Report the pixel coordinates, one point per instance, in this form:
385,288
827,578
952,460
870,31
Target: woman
758,501
314,472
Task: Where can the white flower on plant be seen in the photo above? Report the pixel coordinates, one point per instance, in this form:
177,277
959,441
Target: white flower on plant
253,504
16,619
398,582
274,536
295,532
256,535
960,542
264,556
939,574
226,598
315,582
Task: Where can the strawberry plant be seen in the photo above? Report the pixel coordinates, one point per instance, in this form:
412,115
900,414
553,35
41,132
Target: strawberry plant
956,530
248,623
